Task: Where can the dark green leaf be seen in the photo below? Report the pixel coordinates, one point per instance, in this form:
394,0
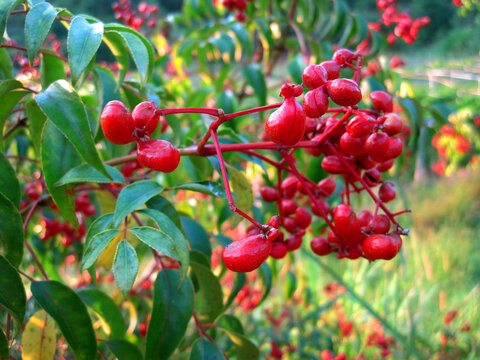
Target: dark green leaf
9,185
255,78
84,39
52,68
86,173
168,239
197,236
118,47
290,285
205,187
38,22
163,205
239,280
124,350
11,232
64,108
100,224
230,323
203,349
172,309
6,65
295,68
245,349
6,7
266,276
70,314
12,292
125,266
209,297
108,89
3,345
36,121
105,308
58,156
96,245
133,196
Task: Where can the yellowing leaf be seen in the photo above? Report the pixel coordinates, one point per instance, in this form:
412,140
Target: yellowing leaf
242,192
106,257
39,337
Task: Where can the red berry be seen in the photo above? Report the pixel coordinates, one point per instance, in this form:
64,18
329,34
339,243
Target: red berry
290,225
387,192
327,186
360,126
288,207
272,234
142,330
332,68
320,208
344,92
377,145
346,223
332,165
146,117
379,247
294,242
279,250
351,145
289,187
286,125
364,217
274,221
302,218
395,148
315,103
393,124
314,76
320,246
382,101
380,224
117,123
269,194
344,56
385,165
247,254
366,162
371,177
158,155
241,16
339,129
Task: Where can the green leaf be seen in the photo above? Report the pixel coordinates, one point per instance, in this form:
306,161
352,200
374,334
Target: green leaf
106,309
84,39
204,349
3,345
52,68
70,314
163,205
290,285
124,350
107,87
6,7
36,121
140,49
10,95
64,108
173,240
100,224
239,280
9,185
171,312
125,266
6,65
197,236
86,173
230,323
255,78
205,187
96,245
58,156
295,68
11,232
133,196
245,349
12,292
208,297
118,47
38,22
267,278
242,192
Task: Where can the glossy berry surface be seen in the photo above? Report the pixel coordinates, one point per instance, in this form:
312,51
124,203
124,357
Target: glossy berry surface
117,123
344,92
321,246
377,247
381,101
360,126
315,103
333,69
279,250
158,155
387,192
314,76
247,254
146,117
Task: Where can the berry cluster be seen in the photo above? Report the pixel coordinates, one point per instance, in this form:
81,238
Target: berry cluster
144,15
239,5
122,127
404,26
449,144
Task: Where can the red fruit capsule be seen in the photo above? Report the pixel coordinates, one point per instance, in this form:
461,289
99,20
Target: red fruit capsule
290,225
286,125
117,123
279,250
302,218
387,192
327,186
310,125
269,194
332,165
146,117
377,145
332,68
344,56
289,187
393,124
377,247
314,76
158,155
321,246
288,207
247,254
344,92
352,146
360,126
274,221
380,224
385,165
382,101
371,177
364,217
294,242
320,208
315,103
395,148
